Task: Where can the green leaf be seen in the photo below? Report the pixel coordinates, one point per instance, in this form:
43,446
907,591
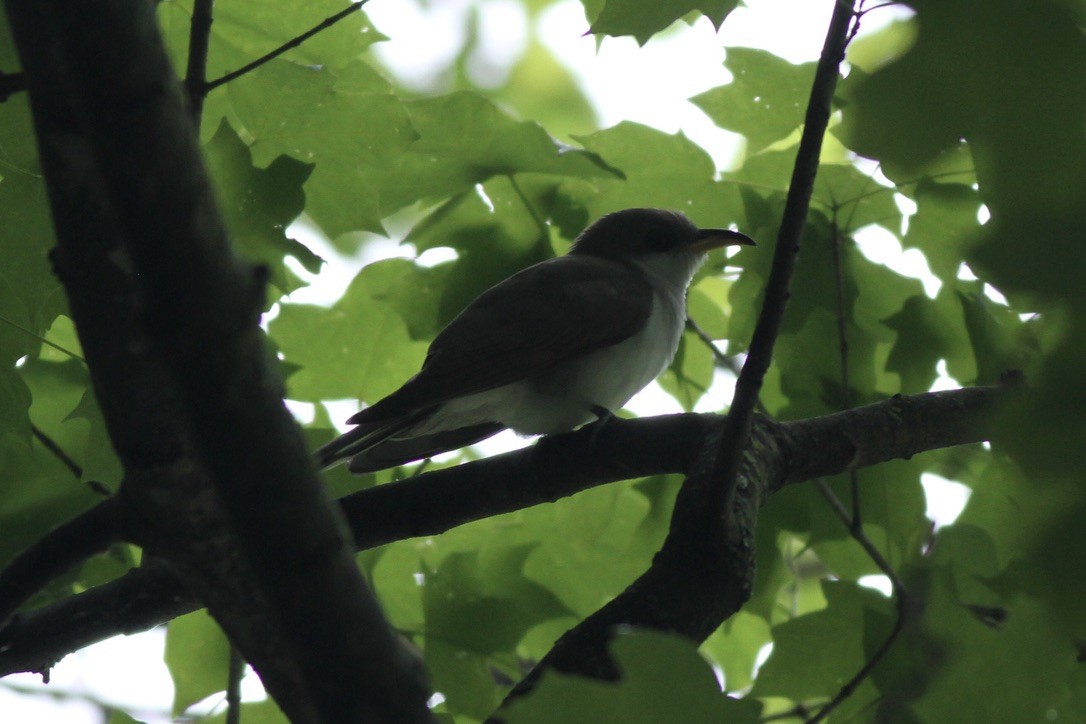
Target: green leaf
663,171
833,633
663,679
843,192
606,537
944,226
735,647
643,18
950,664
198,657
765,100
690,373
494,235
927,331
244,30
465,139
30,296
359,348
259,204
346,122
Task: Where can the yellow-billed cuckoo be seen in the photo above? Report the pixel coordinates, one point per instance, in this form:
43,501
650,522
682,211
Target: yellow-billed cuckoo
554,346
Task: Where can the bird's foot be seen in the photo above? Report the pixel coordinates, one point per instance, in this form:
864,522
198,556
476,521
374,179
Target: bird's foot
603,416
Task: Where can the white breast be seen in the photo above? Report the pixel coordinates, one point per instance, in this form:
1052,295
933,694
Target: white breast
564,398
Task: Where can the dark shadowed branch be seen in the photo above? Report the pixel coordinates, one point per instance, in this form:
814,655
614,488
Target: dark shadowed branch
11,83
57,552
778,287
196,67
115,136
442,499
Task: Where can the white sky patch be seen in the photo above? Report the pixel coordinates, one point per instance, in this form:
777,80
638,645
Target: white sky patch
995,295
125,671
422,41
946,499
650,85
877,582
763,655
882,247
966,274
437,255
944,381
503,35
303,412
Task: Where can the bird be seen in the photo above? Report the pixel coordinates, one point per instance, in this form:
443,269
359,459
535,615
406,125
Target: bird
557,345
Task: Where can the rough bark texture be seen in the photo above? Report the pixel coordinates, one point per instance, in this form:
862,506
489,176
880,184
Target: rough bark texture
779,454
217,478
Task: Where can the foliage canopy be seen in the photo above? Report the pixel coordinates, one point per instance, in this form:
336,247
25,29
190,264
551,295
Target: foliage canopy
973,112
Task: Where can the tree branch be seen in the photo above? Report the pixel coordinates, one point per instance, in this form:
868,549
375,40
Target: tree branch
196,69
292,43
58,452
10,84
777,293
123,126
57,552
442,499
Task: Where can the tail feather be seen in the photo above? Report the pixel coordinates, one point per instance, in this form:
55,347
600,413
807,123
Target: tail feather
362,437
390,451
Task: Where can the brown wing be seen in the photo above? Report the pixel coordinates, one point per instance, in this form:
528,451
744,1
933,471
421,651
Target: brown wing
547,314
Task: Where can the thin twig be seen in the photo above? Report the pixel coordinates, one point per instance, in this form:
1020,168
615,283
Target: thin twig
853,522
850,687
292,43
842,349
233,686
58,452
797,204
196,87
40,338
722,360
874,553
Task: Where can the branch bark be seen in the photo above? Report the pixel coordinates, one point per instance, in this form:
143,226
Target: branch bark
442,499
218,453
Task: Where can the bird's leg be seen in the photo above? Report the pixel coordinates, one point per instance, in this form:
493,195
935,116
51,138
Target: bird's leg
603,416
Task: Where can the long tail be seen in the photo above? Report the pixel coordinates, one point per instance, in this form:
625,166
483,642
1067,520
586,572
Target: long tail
361,438
390,451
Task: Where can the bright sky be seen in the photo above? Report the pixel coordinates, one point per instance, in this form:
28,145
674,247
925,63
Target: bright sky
649,85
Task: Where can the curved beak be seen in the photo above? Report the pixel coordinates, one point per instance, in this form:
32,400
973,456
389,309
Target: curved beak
707,239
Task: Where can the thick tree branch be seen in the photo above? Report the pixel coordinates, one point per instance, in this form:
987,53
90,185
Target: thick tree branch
442,499
124,126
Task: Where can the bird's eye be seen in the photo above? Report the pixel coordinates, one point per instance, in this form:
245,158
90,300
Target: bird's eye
659,241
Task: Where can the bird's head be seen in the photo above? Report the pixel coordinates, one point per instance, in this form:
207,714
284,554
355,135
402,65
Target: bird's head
664,243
